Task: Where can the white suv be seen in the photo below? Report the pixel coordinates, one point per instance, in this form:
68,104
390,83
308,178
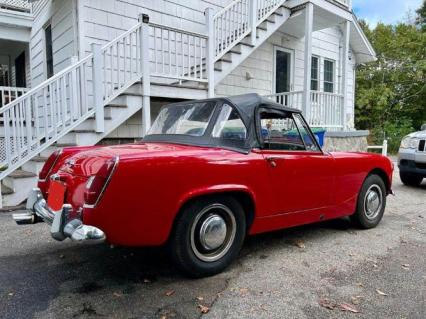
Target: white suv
412,158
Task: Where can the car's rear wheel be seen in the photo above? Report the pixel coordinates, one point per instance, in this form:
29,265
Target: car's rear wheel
208,235
410,179
371,203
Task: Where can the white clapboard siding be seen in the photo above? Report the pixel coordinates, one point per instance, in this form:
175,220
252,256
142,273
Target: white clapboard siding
59,14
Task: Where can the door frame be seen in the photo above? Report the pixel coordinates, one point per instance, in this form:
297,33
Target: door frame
274,67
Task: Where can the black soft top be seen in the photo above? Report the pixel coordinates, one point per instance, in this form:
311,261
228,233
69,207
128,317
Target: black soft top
246,105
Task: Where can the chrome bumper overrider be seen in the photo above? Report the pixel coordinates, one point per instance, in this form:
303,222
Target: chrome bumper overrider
61,227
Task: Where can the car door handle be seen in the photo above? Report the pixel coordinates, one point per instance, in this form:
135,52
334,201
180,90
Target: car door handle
272,161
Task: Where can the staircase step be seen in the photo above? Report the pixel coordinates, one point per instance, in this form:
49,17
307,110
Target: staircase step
61,145
262,26
21,174
39,159
225,59
6,190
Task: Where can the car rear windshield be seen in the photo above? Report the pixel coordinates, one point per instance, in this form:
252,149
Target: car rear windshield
183,119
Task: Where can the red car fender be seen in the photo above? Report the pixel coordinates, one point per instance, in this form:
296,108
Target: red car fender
215,190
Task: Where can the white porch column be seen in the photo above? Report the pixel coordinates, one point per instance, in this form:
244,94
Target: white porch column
146,79
309,17
345,69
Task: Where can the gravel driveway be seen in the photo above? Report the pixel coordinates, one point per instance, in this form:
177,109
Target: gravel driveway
327,270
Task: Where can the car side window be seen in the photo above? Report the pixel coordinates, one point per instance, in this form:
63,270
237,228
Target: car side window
306,135
229,125
279,132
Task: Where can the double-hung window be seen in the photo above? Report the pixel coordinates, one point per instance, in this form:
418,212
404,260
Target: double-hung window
329,76
315,74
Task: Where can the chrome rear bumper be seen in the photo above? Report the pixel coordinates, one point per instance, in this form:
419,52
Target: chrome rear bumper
61,226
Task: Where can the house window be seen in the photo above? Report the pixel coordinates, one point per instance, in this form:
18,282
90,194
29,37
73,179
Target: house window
315,74
328,76
49,51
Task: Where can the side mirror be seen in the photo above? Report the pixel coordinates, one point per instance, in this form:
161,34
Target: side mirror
423,128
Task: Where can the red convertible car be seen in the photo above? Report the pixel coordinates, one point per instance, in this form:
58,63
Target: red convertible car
208,173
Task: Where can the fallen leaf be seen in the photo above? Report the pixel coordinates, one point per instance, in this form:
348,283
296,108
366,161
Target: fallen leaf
243,291
203,309
356,300
381,292
348,307
299,243
327,303
170,293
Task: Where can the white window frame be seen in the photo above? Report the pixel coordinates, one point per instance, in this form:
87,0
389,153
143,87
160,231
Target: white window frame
334,75
318,75
47,24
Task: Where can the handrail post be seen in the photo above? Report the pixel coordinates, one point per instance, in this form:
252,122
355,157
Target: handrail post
253,20
210,50
385,148
98,98
146,80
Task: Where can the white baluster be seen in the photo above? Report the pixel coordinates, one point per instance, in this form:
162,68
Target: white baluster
97,88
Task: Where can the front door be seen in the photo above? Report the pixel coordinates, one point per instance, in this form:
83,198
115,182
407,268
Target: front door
20,71
301,175
283,70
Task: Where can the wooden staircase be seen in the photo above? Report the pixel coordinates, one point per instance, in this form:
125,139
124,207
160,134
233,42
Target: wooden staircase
67,109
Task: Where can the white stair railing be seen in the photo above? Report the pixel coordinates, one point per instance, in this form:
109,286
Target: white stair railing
10,93
238,19
38,118
47,112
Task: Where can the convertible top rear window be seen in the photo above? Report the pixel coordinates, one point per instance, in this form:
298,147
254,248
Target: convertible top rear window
187,119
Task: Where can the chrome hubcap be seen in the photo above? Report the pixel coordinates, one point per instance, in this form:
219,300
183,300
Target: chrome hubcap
213,232
373,202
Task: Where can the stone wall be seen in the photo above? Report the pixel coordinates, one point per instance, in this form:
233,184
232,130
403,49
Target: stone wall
352,141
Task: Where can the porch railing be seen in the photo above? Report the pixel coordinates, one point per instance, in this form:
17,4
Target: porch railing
44,114
325,109
10,93
16,5
238,19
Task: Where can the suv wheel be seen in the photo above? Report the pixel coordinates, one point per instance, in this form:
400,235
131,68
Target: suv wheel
410,179
208,236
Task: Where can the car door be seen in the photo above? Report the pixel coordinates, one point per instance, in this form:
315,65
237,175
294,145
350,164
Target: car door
301,175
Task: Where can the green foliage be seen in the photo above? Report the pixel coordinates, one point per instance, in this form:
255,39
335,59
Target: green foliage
391,92
393,132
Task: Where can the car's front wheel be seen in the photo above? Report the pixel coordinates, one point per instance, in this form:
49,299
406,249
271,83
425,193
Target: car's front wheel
208,235
371,203
410,179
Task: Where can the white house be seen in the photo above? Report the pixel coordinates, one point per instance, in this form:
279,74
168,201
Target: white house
82,72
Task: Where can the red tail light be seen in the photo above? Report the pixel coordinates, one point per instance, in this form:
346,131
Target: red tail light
51,161
97,184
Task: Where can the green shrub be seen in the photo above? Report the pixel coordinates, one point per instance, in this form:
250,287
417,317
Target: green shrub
393,132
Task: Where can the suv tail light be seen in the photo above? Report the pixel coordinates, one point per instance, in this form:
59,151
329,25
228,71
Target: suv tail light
47,168
96,184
